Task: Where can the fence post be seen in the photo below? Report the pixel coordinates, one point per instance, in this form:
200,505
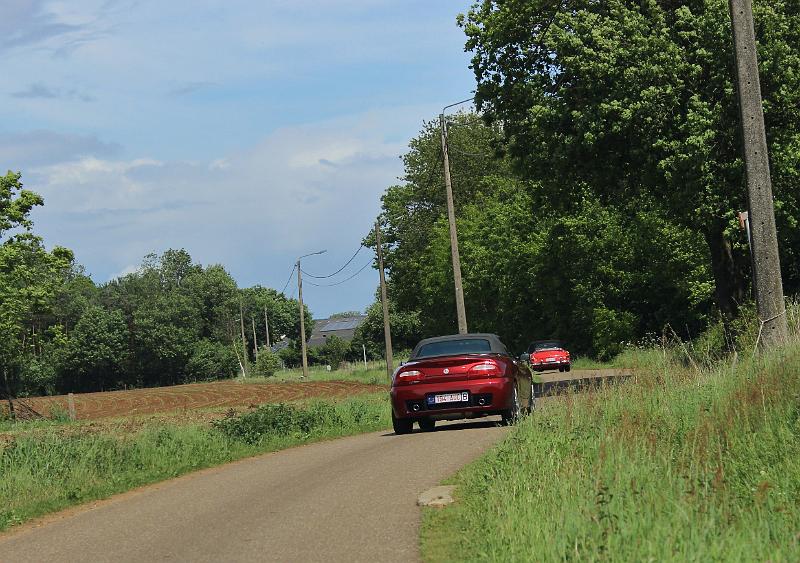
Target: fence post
71,406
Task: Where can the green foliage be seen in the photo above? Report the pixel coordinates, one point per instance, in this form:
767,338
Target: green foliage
267,363
30,278
334,352
677,464
634,103
97,352
211,360
291,355
279,420
586,274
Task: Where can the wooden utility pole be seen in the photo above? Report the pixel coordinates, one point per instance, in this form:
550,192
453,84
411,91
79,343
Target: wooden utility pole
302,319
451,215
266,327
244,341
766,262
387,330
255,338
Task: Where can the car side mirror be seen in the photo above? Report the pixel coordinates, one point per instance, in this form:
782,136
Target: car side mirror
525,358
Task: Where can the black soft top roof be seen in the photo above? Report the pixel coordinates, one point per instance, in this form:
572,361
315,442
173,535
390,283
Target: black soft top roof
496,346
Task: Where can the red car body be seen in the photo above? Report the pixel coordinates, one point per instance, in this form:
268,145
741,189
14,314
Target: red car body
549,354
459,376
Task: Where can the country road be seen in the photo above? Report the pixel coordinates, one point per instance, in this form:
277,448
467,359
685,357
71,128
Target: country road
352,499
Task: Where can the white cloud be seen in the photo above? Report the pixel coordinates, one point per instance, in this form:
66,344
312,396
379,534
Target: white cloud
253,210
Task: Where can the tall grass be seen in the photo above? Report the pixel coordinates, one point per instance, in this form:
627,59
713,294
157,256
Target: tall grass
679,463
48,467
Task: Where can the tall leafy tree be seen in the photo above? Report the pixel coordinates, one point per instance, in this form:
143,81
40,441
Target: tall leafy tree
30,277
634,102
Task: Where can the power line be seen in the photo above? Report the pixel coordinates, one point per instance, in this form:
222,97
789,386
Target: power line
346,264
364,267
289,280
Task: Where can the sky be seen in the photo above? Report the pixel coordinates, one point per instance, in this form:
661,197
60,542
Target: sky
247,132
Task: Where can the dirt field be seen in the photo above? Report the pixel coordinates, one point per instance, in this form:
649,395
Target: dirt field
89,406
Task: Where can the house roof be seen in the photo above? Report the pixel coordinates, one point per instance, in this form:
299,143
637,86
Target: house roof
343,327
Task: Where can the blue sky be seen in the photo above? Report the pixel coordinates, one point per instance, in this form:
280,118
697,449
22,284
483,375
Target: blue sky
246,132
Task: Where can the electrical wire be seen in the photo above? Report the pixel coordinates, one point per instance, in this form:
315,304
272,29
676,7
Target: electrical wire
364,267
289,280
346,264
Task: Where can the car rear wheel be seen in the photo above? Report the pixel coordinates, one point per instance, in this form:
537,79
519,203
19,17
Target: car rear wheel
569,367
401,425
513,414
427,424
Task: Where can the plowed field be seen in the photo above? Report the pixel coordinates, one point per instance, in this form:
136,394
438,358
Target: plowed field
197,396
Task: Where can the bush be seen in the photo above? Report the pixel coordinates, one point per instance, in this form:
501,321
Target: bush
211,360
335,351
279,420
267,363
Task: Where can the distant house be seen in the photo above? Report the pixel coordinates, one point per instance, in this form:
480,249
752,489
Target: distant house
343,327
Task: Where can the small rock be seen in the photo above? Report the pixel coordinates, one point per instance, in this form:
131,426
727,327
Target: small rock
437,497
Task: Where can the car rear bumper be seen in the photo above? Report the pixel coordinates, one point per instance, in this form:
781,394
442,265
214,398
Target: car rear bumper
549,365
486,397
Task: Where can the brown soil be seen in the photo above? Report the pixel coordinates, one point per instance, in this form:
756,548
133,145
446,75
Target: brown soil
89,406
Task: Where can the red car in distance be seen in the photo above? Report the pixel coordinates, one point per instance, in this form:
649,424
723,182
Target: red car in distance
459,376
549,354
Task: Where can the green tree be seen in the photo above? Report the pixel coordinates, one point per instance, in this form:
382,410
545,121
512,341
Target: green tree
30,277
267,363
634,102
97,352
211,360
334,352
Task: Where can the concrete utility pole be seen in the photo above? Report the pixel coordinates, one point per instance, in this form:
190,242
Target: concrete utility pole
766,262
387,331
451,215
302,311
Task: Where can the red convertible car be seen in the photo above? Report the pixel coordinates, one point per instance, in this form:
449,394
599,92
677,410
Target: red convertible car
549,354
459,376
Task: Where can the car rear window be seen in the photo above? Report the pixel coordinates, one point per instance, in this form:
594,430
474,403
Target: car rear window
454,347
545,345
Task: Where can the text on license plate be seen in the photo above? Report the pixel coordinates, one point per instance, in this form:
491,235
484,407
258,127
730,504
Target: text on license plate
460,397
551,359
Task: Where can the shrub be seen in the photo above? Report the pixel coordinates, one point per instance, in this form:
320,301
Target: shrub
267,363
211,360
279,420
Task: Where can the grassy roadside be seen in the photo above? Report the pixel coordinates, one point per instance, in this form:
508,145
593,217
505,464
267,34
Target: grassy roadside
46,467
680,463
373,374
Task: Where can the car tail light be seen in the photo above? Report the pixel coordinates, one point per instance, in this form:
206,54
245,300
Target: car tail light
486,369
408,377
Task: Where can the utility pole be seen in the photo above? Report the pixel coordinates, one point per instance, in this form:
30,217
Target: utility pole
266,327
387,331
302,319
255,338
244,342
302,311
766,262
451,215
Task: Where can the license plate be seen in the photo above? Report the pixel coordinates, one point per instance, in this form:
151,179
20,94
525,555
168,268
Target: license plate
460,397
551,359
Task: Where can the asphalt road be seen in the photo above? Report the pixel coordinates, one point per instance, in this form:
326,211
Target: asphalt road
352,499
